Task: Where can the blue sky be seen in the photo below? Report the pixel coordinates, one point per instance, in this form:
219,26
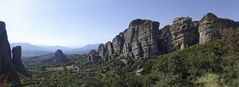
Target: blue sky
79,22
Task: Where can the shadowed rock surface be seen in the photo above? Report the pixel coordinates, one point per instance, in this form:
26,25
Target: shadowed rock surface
7,66
59,58
143,38
17,61
101,51
93,56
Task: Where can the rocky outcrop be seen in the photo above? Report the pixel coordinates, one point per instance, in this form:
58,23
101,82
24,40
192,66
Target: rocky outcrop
118,43
93,56
59,58
101,51
17,61
166,39
139,40
211,27
6,65
9,67
183,32
143,38
109,55
140,71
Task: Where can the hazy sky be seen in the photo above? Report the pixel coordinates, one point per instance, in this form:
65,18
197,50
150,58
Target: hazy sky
80,22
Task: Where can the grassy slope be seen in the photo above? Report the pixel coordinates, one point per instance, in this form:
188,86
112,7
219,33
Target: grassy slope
216,62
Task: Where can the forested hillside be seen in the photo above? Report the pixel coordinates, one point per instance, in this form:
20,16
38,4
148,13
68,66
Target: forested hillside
213,64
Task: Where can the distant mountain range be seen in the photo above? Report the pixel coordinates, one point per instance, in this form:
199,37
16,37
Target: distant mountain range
83,50
30,50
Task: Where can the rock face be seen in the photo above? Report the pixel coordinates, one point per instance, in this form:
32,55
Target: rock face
118,43
139,40
9,67
166,39
211,26
101,51
93,56
143,38
184,33
59,58
109,51
17,61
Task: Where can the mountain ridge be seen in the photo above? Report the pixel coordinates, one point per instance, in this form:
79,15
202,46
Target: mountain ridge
144,39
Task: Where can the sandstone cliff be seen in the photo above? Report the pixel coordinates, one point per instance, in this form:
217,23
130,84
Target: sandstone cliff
143,38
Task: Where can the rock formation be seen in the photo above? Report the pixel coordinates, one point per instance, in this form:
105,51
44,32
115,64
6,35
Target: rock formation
59,58
166,39
93,57
184,33
9,67
118,43
211,26
101,51
109,51
143,38
17,61
139,40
